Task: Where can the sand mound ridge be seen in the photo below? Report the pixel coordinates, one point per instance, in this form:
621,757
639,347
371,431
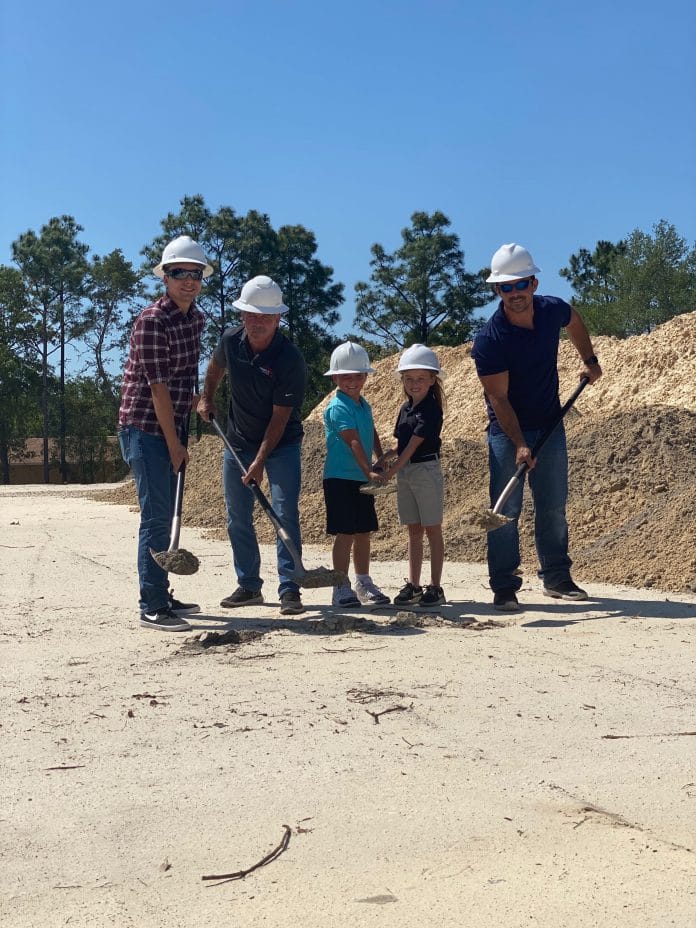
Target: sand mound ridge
631,510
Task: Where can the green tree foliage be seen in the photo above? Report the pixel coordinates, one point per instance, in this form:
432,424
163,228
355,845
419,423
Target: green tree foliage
53,266
90,423
656,278
630,287
312,300
420,292
19,374
112,286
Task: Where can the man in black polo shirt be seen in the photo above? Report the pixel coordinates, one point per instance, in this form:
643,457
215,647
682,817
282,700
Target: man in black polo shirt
267,378
516,355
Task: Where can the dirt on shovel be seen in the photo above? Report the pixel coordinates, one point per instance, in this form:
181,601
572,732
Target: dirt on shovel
178,561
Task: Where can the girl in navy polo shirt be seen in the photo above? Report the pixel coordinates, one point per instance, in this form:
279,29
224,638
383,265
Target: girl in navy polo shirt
420,488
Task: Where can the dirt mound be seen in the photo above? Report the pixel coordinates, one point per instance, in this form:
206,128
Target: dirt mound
632,451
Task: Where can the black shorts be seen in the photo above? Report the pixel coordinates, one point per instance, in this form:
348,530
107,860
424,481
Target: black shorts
348,511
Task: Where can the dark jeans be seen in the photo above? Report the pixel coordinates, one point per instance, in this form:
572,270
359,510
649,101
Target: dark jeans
548,482
155,483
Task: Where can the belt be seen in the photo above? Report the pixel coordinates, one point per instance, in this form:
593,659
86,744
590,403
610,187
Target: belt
425,457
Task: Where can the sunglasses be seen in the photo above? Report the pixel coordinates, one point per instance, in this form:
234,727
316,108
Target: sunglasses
518,285
180,273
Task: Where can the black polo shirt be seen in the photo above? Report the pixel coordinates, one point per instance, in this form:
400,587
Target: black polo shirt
530,356
424,420
258,382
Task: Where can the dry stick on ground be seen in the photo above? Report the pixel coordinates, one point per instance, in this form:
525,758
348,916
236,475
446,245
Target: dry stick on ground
269,858
376,715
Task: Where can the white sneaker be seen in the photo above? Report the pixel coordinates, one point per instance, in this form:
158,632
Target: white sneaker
369,594
344,596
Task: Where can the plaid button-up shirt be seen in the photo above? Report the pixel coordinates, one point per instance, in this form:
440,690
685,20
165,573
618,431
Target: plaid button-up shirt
165,346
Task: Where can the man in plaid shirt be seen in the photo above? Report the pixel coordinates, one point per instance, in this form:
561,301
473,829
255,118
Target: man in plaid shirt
159,382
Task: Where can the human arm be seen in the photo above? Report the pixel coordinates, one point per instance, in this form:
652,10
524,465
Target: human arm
352,439
213,377
164,410
580,337
496,389
402,460
272,435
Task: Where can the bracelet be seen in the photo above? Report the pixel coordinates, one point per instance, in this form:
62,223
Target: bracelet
591,361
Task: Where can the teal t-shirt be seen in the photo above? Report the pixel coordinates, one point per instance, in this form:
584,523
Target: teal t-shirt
343,413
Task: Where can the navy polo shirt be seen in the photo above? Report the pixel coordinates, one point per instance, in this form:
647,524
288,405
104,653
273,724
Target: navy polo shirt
424,420
530,356
258,382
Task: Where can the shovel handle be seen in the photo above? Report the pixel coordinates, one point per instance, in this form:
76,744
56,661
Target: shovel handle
523,468
178,501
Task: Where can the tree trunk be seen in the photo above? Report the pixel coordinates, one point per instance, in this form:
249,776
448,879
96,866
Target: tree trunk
61,437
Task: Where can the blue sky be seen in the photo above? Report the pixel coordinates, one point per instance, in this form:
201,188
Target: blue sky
549,123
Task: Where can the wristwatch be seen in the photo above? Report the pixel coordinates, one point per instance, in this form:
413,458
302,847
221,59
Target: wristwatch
591,361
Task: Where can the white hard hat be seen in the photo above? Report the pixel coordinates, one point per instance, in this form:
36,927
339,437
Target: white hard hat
261,295
511,262
419,358
183,250
349,358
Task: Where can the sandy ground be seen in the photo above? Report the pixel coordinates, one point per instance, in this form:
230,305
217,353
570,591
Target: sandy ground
536,769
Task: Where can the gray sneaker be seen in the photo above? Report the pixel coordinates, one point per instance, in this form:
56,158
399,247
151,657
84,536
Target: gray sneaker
369,594
164,620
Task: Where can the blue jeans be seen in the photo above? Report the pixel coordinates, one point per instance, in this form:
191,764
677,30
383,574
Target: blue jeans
548,481
283,469
155,483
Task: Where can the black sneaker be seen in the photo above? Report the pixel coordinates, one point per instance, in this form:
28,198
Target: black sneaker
432,596
408,595
566,589
242,597
179,608
505,601
290,603
164,620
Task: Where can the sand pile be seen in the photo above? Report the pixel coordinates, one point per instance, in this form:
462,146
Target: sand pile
632,454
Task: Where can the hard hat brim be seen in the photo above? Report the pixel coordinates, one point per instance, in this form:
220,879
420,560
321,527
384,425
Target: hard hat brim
207,269
369,370
260,310
506,278
420,367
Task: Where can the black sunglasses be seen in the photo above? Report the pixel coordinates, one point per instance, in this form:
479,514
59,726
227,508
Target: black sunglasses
181,273
518,285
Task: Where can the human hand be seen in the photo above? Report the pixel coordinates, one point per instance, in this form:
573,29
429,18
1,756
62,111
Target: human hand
178,455
254,473
591,372
205,407
524,456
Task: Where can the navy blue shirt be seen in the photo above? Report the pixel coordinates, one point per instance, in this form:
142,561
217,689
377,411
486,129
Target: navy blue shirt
258,382
530,356
424,420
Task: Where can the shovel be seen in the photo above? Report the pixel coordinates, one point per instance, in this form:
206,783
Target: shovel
177,560
318,576
493,518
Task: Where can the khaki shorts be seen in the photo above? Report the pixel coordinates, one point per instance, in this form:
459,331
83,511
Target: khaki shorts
420,494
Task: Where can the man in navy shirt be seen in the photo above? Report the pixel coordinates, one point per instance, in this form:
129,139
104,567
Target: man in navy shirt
516,355
267,377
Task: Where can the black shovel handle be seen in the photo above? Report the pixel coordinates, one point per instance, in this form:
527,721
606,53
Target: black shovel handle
524,467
